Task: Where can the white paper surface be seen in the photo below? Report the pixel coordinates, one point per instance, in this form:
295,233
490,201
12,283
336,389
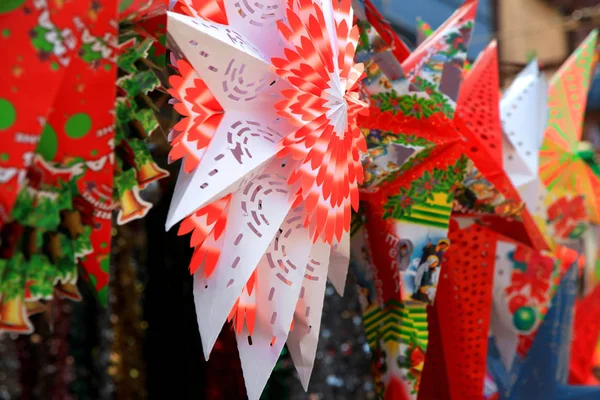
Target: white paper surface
303,339
243,143
338,264
501,321
245,85
278,283
523,110
256,20
255,214
262,235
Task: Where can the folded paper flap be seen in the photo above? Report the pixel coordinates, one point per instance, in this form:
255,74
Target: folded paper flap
477,106
279,282
383,69
258,21
515,229
534,194
446,47
242,144
515,167
561,168
436,125
478,121
577,71
442,159
240,78
212,10
545,368
524,114
389,155
389,35
462,306
466,12
202,115
338,263
256,212
303,338
184,28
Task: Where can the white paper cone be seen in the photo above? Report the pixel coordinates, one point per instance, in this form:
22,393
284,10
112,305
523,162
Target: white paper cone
523,110
243,143
501,321
303,339
255,214
237,75
278,282
338,264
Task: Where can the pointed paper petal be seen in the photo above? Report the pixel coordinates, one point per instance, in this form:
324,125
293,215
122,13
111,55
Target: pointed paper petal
256,20
278,284
338,263
302,340
243,143
547,363
524,113
431,65
240,78
256,211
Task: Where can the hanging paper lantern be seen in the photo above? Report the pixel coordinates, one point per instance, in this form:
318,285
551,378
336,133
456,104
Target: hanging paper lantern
412,168
271,168
562,169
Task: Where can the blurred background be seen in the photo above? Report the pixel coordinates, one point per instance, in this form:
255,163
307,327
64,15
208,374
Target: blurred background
146,343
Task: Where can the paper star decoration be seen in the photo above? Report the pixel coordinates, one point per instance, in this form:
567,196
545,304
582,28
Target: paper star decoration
562,169
414,160
524,113
544,372
271,168
69,52
461,314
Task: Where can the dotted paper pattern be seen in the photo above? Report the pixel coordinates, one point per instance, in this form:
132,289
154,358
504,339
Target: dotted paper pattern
524,142
478,106
462,305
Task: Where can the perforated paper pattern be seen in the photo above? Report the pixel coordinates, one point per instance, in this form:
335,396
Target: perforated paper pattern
524,114
462,307
279,280
479,107
479,121
257,20
250,230
302,340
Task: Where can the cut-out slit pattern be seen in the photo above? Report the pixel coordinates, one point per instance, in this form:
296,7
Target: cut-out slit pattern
243,133
259,12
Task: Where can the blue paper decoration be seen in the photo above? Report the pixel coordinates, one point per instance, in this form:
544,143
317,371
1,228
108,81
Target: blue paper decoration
545,371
